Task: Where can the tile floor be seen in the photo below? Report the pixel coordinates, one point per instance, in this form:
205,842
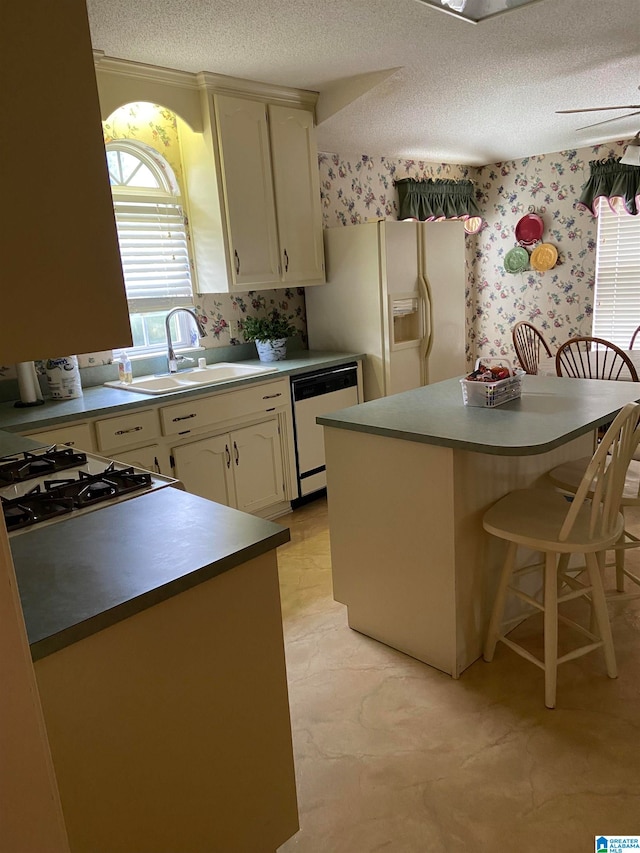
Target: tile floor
394,756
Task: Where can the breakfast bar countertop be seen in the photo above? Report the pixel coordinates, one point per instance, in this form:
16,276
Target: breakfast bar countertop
550,412
409,479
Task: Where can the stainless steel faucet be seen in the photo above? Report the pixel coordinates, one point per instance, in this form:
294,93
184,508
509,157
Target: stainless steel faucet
172,359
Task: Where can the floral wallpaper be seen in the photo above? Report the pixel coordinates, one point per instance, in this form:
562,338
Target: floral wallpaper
354,191
559,301
149,123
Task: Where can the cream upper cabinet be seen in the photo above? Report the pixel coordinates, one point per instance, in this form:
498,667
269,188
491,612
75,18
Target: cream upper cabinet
253,195
297,191
243,138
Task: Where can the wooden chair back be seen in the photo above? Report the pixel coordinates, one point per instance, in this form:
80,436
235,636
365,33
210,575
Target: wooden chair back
633,337
604,479
528,341
593,358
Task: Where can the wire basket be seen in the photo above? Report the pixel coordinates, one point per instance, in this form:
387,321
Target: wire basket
488,395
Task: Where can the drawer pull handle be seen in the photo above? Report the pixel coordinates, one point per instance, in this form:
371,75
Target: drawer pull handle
271,396
286,261
236,453
185,417
226,450
125,431
237,257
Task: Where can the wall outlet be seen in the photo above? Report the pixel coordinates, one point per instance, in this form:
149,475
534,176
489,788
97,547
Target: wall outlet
234,328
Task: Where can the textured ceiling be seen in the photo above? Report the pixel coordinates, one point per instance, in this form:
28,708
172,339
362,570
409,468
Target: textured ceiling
460,93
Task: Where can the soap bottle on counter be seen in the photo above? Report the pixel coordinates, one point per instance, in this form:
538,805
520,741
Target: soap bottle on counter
124,369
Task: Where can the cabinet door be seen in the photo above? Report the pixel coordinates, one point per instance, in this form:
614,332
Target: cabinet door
297,187
152,458
204,468
257,465
243,139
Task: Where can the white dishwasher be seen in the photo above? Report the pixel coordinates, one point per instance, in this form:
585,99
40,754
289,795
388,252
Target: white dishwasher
315,394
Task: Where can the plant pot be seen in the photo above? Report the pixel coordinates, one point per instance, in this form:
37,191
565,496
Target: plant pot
272,350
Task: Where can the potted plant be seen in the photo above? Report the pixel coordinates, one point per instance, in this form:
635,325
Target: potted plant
270,334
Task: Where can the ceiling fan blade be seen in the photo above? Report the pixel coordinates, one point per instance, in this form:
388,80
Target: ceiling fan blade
596,109
607,120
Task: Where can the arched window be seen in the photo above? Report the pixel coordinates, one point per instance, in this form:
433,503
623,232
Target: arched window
153,242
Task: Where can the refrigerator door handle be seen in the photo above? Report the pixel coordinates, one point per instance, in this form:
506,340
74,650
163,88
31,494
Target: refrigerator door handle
427,330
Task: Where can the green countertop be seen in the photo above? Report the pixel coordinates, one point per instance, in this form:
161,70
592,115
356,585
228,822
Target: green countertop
83,574
550,412
11,444
80,575
100,400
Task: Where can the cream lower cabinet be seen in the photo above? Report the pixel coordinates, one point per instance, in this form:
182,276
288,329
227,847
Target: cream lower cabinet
154,458
117,438
233,447
242,468
78,436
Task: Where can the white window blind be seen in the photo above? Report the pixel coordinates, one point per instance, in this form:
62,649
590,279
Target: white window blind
154,251
617,297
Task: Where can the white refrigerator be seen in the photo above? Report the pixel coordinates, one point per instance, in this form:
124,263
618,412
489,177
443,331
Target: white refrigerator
395,291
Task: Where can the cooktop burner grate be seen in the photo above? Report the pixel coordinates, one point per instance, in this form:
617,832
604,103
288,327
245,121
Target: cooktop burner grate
88,489
33,507
30,465
42,487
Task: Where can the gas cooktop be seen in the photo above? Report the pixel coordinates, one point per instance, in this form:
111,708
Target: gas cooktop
48,484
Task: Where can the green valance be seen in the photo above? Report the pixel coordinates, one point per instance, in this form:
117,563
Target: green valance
615,181
431,200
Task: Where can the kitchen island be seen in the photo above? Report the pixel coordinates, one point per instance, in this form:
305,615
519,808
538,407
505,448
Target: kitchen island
409,479
156,634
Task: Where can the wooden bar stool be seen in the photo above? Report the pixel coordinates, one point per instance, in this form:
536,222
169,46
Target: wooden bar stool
544,521
568,478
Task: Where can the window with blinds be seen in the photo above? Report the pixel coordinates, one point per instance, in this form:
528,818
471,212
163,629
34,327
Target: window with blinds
154,243
154,252
616,312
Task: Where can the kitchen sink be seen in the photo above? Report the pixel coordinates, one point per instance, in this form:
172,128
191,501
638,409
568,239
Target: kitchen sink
193,378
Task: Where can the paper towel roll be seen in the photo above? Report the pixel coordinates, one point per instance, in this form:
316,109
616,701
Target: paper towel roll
28,382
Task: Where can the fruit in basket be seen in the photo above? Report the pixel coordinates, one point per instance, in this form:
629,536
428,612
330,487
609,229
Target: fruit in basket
484,373
500,372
